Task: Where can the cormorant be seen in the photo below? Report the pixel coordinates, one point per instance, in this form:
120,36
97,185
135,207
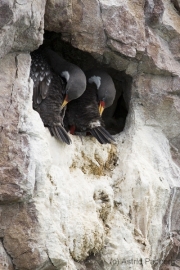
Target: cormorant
104,85
56,82
84,113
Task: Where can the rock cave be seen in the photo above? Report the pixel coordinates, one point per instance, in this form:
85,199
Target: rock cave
115,116
89,206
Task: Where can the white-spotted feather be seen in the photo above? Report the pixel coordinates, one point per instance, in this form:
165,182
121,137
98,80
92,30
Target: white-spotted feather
95,124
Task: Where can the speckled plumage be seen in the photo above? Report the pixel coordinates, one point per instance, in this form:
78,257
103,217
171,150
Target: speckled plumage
48,96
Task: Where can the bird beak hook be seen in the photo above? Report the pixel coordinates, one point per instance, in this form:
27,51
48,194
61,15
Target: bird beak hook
101,107
64,102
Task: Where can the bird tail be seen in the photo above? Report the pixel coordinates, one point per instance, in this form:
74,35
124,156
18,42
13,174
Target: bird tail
101,135
60,133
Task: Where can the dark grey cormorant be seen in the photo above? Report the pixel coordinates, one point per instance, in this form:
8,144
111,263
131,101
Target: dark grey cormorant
51,93
84,113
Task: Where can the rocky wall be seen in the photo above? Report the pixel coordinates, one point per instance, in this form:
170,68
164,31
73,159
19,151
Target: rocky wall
89,206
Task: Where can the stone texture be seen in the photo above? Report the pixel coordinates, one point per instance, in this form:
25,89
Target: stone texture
164,92
14,157
89,206
146,32
153,12
21,25
5,261
123,27
69,14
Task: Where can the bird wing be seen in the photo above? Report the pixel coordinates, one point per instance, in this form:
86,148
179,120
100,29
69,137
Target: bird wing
48,87
41,75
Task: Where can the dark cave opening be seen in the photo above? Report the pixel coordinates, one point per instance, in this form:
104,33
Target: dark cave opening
114,117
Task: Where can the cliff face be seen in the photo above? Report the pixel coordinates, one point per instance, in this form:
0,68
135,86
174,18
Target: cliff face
88,206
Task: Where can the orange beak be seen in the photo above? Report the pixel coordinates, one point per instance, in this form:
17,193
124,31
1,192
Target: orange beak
101,107
64,102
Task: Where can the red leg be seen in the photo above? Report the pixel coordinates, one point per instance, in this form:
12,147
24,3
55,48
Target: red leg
72,130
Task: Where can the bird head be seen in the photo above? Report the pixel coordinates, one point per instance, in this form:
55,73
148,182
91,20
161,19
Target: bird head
73,77
105,87
75,84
